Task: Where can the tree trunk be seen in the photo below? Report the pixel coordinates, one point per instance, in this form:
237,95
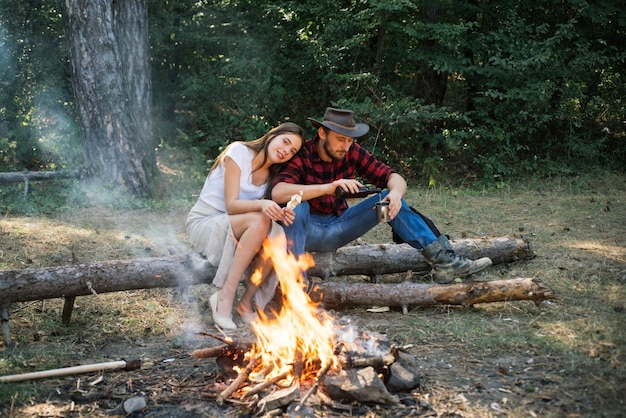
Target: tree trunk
431,85
132,35
118,275
109,55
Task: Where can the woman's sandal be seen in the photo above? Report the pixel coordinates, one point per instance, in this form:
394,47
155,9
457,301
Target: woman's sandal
223,322
246,316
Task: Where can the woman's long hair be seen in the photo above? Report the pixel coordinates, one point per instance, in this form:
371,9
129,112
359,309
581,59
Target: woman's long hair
261,144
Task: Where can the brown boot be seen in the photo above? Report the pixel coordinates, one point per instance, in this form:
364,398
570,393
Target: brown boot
447,265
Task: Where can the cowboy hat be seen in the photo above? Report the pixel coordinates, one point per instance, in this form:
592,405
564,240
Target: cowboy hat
342,122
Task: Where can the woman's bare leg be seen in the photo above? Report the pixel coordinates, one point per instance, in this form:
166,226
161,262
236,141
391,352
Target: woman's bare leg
245,303
250,229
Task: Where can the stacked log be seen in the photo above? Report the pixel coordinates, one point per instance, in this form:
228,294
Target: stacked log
181,271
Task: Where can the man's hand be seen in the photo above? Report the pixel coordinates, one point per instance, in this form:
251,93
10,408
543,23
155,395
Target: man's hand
348,185
395,203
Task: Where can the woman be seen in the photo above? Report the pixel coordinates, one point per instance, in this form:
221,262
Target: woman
230,220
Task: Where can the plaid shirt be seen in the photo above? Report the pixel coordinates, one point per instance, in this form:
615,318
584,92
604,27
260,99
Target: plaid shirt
307,167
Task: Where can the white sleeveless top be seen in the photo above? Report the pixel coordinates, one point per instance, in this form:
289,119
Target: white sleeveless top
213,190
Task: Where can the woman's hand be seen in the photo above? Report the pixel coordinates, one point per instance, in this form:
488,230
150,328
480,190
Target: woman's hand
272,210
288,216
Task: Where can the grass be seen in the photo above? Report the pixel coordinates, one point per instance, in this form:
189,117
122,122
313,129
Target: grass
576,228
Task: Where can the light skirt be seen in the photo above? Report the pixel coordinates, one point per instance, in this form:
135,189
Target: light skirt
210,233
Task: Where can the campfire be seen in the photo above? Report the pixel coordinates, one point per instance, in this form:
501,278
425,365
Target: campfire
302,355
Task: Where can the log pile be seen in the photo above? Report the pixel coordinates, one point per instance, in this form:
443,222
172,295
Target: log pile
371,260
180,271
360,377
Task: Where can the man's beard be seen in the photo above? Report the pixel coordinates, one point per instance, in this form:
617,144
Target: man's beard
332,154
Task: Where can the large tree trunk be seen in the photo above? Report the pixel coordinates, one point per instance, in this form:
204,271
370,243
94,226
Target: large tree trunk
118,275
109,55
132,35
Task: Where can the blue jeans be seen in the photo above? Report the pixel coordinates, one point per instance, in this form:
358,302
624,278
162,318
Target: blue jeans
313,232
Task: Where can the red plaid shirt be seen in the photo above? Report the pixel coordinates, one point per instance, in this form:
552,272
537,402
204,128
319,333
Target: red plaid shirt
308,168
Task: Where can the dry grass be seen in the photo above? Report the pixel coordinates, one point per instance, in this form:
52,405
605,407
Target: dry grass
564,358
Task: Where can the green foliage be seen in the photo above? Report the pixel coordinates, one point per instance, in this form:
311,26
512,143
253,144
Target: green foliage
472,92
534,80
37,130
42,197
225,82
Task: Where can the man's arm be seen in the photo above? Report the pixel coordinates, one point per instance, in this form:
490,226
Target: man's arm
396,184
397,189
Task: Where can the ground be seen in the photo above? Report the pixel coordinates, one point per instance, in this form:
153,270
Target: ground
563,358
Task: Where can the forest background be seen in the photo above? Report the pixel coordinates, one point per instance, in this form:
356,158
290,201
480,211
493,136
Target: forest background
506,117
455,92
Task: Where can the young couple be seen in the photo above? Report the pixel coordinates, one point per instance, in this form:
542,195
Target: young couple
231,219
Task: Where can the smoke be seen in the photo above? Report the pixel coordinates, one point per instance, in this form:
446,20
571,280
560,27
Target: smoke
364,343
56,131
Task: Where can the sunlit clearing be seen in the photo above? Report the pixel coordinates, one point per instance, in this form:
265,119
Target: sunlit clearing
609,251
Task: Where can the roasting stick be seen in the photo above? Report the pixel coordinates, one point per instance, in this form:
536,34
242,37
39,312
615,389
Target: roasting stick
87,368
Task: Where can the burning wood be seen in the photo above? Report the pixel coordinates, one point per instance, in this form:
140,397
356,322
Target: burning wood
230,346
266,384
351,362
313,389
238,382
298,349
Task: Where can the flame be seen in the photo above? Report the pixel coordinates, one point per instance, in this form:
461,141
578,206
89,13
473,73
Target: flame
301,334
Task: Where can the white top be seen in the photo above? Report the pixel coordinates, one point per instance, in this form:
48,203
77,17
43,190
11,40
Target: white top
213,190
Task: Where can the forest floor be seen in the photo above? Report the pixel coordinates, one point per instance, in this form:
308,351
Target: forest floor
563,358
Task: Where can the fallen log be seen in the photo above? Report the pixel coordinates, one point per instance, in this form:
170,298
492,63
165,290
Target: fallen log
102,277
181,271
27,176
19,176
378,259
409,294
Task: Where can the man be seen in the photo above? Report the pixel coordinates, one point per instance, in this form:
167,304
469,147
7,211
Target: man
324,222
